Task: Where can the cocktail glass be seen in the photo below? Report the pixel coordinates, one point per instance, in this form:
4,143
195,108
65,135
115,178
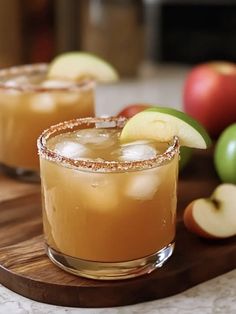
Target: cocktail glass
106,218
30,103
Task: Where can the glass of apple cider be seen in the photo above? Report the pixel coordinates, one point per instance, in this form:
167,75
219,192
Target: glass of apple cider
29,103
109,209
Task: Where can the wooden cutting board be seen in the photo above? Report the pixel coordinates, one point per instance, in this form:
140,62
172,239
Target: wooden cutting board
25,269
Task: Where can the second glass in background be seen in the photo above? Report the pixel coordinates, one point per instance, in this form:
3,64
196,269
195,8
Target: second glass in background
30,103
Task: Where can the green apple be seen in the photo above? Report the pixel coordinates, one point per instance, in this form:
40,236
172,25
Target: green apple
77,66
162,124
185,156
225,155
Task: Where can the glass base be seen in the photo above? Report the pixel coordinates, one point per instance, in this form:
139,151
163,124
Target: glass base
21,174
110,271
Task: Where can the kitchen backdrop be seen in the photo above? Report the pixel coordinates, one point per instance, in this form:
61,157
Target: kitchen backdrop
128,33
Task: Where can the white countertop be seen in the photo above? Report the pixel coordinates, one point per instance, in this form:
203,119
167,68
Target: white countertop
164,87
216,296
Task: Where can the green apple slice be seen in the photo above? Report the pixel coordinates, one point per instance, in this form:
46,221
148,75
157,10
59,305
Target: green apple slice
77,66
161,124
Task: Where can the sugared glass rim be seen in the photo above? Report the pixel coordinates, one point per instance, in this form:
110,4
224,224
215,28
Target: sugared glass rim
100,166
34,69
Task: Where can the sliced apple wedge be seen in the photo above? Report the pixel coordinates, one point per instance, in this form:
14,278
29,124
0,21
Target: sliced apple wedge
213,217
77,66
162,124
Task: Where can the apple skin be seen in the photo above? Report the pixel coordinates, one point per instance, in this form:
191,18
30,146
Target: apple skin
185,156
130,110
225,155
209,95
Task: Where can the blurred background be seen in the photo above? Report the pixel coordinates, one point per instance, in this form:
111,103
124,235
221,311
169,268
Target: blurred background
134,35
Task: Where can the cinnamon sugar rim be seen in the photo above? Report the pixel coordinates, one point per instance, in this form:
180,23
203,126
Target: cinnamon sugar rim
37,69
100,166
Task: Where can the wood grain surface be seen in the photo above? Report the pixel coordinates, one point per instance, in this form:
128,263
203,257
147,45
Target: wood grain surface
25,269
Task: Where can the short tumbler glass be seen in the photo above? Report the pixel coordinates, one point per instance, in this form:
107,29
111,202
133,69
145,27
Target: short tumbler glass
30,103
92,227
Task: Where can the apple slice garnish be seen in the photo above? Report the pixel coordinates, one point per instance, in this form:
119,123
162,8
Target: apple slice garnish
78,66
132,109
213,217
162,124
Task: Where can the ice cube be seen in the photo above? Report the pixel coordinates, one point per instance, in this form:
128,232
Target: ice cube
11,83
71,149
17,81
90,135
99,137
56,84
99,191
43,103
143,186
69,98
138,150
62,98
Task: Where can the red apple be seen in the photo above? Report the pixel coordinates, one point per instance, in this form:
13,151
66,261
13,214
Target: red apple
132,109
213,217
210,95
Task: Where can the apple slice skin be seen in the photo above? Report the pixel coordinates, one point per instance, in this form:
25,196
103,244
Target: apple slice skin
162,124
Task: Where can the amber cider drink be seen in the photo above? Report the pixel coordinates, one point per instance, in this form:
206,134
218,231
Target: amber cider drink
109,208
30,103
